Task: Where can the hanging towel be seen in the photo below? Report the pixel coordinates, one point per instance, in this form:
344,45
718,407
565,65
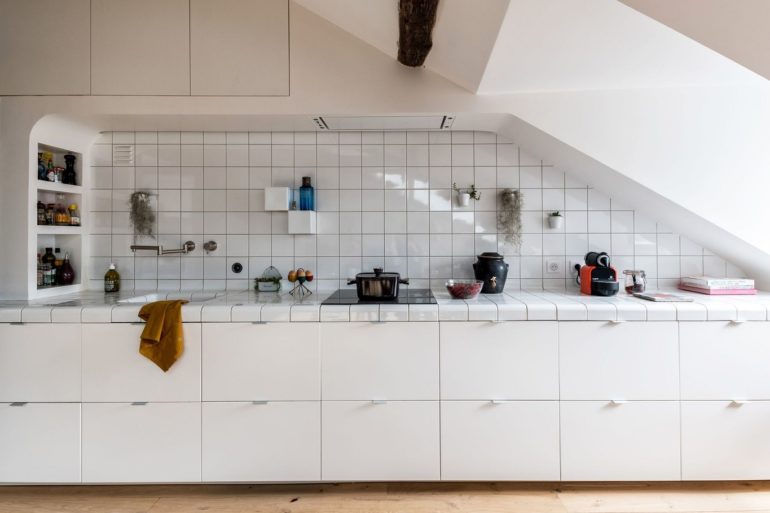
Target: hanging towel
162,340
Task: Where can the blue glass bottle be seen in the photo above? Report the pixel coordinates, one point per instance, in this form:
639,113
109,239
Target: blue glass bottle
306,196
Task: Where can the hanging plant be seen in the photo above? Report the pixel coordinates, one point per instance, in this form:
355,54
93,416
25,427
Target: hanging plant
509,216
465,195
141,215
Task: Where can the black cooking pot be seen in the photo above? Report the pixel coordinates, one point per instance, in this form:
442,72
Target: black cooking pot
377,285
492,270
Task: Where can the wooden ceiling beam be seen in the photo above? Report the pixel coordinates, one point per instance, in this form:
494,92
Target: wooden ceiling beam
416,19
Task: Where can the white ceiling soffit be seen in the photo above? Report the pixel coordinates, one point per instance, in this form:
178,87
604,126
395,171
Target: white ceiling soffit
463,37
598,44
384,123
736,29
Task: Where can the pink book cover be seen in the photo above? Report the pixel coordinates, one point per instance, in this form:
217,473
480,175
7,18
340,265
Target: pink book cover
718,292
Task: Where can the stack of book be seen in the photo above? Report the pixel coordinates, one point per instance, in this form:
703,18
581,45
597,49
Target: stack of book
718,286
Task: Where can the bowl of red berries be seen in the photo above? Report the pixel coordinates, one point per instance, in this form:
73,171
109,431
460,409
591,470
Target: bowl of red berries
464,289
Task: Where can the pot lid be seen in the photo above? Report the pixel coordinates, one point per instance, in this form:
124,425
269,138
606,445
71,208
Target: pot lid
377,272
490,255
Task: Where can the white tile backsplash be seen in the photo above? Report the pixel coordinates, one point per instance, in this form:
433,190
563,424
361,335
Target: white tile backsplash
382,199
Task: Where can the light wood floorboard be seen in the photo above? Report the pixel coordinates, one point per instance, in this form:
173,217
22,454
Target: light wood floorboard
723,497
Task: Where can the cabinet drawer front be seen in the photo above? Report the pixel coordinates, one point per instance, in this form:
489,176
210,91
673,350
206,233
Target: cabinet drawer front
150,443
380,361
633,360
724,440
511,360
722,360
40,363
509,441
40,443
394,441
277,441
636,441
247,362
114,371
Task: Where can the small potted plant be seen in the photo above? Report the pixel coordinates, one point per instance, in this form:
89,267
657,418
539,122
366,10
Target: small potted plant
464,196
555,220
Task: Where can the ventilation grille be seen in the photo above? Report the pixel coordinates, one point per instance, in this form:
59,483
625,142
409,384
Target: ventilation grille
384,123
122,154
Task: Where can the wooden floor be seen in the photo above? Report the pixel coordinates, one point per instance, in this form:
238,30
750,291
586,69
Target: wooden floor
395,498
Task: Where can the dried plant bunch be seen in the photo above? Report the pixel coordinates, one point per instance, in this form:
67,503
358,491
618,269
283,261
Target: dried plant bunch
509,216
141,214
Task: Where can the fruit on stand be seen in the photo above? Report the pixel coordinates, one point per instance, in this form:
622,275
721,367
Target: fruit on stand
301,275
292,276
309,275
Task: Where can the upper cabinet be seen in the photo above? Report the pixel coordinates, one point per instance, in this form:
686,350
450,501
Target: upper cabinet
141,47
44,46
239,47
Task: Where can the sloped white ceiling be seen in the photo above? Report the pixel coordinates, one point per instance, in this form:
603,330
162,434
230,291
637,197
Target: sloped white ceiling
463,38
550,45
738,29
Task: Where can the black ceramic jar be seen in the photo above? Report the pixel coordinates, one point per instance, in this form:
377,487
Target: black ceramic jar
492,270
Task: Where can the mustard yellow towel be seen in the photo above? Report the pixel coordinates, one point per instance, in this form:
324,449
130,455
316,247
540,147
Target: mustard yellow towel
162,338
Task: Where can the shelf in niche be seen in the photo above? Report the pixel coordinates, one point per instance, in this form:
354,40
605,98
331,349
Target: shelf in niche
43,185
52,229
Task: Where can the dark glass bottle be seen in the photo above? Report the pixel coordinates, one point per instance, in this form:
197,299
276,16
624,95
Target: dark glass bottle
70,177
41,219
48,257
67,272
306,196
41,170
112,280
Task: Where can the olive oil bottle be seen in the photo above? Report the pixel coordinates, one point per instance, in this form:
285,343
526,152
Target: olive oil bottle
112,280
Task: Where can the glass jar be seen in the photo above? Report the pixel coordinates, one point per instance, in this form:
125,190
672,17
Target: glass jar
636,281
74,215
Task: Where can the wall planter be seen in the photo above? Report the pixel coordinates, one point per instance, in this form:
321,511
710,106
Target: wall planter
555,220
464,196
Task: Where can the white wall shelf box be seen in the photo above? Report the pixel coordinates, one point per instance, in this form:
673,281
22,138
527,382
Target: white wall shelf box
46,229
302,221
277,198
42,185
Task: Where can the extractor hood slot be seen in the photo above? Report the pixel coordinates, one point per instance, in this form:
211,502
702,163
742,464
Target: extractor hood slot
384,123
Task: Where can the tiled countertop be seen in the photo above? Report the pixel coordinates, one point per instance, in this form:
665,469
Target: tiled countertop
532,305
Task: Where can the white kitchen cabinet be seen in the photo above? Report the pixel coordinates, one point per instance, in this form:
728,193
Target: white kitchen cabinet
40,362
380,361
247,362
632,360
725,440
390,441
40,443
141,47
724,360
508,441
635,441
44,47
114,371
509,360
272,441
141,443
239,47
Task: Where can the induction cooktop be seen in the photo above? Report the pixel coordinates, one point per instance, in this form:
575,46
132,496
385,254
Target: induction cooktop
405,297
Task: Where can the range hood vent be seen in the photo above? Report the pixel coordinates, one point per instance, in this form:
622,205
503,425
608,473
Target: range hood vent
384,123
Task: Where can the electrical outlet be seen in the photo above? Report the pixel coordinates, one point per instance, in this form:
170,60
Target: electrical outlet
553,266
572,264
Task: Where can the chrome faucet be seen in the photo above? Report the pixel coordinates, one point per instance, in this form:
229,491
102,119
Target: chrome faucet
187,247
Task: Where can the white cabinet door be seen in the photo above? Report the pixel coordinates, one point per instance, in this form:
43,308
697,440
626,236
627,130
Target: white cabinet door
632,360
114,371
724,440
44,47
509,360
393,441
246,362
723,360
40,362
276,441
508,441
396,360
239,47
636,441
40,443
147,443
141,47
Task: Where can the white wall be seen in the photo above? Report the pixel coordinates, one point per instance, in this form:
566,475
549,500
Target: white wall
611,139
